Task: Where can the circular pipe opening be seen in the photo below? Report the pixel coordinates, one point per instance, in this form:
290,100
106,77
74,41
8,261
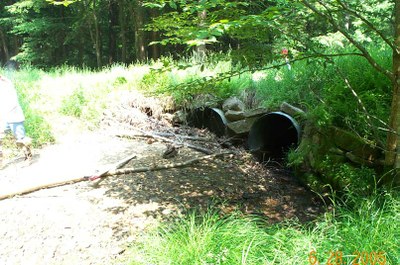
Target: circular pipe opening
272,135
210,118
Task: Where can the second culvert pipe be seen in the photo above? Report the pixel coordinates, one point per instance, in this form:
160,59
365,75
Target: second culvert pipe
272,135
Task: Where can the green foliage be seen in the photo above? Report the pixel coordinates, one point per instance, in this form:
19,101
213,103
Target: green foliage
72,105
346,177
319,87
41,27
37,128
70,91
210,239
187,78
183,24
373,90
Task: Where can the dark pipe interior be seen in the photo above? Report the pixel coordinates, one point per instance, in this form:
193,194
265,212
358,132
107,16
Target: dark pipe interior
210,118
273,135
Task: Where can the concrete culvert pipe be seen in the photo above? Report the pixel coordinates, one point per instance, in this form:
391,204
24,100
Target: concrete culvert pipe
272,135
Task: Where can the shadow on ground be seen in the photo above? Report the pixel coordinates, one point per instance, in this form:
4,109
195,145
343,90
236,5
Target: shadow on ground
234,182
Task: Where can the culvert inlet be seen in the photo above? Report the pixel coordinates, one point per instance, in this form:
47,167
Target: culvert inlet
211,118
272,135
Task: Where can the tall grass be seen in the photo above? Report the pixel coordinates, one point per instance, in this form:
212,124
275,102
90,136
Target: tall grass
81,93
339,236
319,87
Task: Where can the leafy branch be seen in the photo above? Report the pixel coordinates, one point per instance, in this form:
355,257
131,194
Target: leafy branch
366,22
201,82
348,36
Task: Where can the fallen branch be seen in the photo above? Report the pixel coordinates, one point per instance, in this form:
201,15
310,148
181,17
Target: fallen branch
185,137
161,167
117,165
164,139
44,186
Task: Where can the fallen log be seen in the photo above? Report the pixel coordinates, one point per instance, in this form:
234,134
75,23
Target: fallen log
118,165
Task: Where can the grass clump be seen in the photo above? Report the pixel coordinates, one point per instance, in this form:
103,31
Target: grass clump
72,105
359,225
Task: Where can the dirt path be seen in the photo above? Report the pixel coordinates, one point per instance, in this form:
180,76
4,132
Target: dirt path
89,224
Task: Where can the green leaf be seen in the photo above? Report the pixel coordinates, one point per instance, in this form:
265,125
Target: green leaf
173,5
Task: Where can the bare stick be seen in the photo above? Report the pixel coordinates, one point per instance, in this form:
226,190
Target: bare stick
44,186
164,139
185,137
117,165
161,167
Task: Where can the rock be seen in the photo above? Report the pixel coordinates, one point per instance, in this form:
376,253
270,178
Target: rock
241,126
234,115
233,104
205,100
335,157
256,112
292,110
179,117
358,146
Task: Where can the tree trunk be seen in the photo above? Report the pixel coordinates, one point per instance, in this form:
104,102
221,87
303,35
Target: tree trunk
4,47
201,49
97,38
63,54
393,139
94,33
122,24
155,48
140,40
112,24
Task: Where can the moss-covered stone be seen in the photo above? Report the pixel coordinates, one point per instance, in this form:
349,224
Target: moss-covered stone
358,146
342,163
